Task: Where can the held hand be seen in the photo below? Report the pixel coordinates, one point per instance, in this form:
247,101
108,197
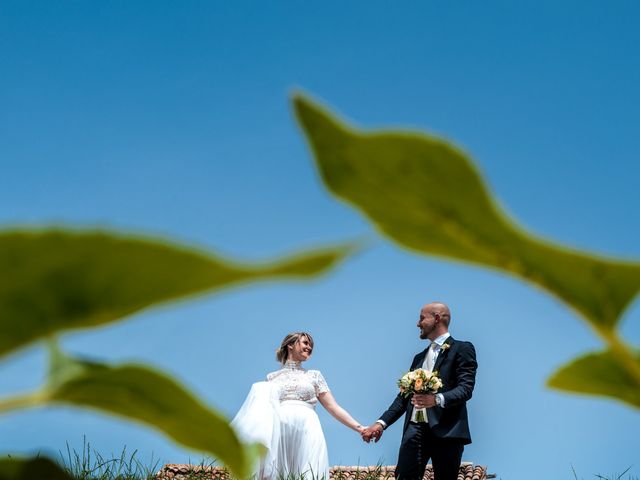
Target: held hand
372,432
420,400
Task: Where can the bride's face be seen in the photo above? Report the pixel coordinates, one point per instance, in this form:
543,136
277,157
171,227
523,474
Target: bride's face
301,350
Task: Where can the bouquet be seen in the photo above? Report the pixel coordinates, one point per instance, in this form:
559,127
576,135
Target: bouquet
419,381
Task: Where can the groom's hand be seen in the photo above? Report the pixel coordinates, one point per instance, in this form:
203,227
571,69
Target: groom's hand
426,400
372,432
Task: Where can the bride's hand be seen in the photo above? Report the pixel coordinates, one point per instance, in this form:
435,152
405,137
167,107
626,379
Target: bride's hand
374,432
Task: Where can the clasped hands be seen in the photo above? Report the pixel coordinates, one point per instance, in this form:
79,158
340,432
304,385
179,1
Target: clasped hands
374,432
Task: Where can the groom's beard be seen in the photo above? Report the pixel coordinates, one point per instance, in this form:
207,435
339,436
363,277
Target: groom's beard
425,332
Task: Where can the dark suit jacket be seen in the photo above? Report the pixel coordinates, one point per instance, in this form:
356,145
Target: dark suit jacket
456,367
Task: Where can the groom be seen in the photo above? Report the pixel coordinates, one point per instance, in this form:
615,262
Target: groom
446,431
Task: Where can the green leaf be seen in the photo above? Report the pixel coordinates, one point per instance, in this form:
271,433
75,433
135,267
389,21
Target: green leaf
31,469
598,374
54,280
143,395
427,195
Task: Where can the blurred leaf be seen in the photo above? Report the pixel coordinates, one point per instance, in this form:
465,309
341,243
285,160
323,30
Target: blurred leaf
38,468
598,374
150,397
425,194
254,452
55,280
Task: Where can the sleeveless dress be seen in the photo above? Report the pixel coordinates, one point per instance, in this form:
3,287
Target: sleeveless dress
280,414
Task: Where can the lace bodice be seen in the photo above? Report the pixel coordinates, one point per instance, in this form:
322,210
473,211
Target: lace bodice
296,383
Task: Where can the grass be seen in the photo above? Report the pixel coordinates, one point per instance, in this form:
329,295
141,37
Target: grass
91,465
617,476
88,464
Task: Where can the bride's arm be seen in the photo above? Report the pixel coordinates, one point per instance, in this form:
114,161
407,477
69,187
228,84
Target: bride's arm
339,413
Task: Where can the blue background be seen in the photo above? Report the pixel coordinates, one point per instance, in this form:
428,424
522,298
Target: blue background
173,119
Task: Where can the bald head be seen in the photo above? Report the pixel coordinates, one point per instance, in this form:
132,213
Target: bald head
434,320
442,310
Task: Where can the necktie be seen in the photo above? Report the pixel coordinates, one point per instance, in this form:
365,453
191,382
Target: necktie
431,356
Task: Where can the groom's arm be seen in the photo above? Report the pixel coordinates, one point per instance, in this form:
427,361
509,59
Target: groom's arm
465,376
399,405
395,411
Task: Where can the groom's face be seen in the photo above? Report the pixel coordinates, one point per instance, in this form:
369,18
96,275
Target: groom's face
426,323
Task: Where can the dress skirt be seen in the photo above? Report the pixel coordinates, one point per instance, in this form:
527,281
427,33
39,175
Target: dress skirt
302,449
290,431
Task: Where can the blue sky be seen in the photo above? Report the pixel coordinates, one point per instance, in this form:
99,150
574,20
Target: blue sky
173,119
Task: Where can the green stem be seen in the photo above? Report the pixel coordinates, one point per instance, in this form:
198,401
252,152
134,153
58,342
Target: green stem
28,400
623,352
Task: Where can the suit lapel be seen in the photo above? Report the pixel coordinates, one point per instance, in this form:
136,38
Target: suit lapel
419,360
443,354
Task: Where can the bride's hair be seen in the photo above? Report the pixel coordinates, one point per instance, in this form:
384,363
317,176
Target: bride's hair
282,354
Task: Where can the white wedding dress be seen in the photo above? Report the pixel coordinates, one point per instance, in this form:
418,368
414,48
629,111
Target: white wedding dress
280,414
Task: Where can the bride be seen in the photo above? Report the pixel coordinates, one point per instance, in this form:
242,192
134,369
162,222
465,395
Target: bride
280,414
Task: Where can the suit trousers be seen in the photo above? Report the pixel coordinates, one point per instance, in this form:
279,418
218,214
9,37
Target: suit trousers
419,444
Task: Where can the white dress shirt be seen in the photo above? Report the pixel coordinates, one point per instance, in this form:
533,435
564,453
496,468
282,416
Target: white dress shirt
435,349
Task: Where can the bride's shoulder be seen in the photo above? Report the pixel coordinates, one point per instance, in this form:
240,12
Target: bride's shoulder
272,375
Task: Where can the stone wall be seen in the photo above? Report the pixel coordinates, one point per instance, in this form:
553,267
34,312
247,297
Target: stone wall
468,471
